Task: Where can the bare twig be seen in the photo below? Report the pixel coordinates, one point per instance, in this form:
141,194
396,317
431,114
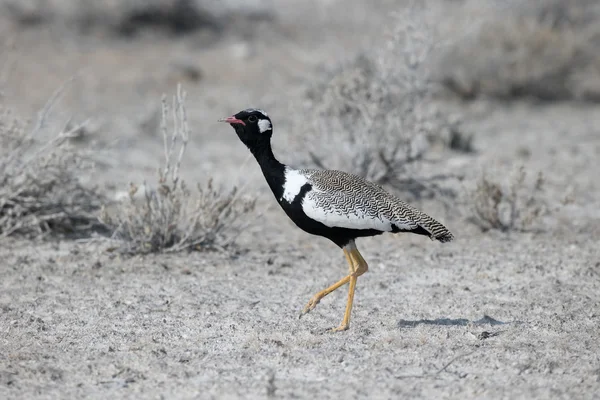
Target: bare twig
181,116
46,110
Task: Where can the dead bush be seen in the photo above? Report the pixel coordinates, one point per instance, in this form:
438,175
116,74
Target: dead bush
510,206
543,49
40,188
174,217
376,117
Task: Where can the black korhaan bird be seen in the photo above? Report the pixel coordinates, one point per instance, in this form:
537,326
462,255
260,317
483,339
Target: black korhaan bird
336,205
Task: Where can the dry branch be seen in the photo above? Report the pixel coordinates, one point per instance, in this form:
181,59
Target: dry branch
173,217
40,191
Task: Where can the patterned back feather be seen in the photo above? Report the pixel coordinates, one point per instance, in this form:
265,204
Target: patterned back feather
340,193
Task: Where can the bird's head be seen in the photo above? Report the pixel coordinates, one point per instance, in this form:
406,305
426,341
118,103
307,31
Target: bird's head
253,126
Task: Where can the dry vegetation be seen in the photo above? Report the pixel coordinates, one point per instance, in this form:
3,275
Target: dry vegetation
40,189
174,217
508,206
78,323
544,49
377,116
41,193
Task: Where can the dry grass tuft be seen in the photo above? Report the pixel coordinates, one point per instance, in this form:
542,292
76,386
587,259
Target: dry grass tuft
377,117
174,217
511,207
40,191
544,49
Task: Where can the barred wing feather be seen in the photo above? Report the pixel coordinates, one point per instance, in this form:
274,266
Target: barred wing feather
339,199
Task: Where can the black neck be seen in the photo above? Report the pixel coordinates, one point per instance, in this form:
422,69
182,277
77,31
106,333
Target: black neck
272,169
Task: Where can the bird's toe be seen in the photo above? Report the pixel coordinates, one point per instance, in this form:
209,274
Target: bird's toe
312,303
341,328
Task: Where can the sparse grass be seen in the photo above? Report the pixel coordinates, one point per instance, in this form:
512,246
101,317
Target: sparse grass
377,116
40,189
173,217
544,49
513,206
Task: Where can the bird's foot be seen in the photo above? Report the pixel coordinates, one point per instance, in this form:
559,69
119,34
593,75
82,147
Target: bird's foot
312,303
341,328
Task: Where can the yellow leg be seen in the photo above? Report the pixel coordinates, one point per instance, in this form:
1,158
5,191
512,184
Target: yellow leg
312,303
359,266
346,321
356,267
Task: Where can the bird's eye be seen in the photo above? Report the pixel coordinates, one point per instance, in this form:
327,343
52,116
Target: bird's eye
252,118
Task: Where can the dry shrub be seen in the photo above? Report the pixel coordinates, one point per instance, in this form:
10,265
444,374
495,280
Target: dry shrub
513,206
174,217
376,117
544,49
40,191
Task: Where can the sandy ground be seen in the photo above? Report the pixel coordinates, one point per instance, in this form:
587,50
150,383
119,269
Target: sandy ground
491,315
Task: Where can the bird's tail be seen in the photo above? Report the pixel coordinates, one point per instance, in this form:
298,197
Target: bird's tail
436,230
421,223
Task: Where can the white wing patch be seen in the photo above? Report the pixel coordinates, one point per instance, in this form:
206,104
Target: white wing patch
294,180
344,207
358,219
264,125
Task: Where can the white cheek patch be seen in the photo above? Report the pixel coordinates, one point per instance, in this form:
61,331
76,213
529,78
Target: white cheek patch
264,125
